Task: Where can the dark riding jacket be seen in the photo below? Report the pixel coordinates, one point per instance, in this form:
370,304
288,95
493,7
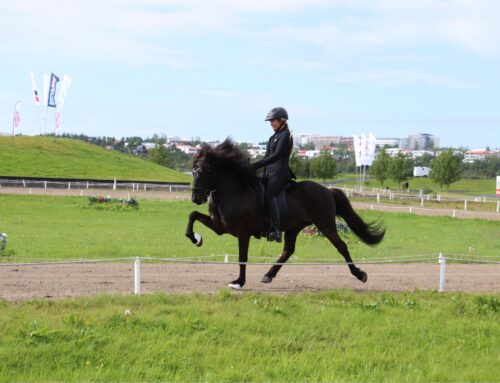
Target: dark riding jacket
279,148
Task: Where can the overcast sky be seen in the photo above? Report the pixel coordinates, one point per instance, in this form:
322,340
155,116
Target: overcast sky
213,68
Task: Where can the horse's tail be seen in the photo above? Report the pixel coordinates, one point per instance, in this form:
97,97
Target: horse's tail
370,233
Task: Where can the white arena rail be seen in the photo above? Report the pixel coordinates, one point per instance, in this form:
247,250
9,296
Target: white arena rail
441,258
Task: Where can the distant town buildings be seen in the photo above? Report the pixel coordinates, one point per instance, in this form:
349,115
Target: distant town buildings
421,141
391,142
479,155
323,142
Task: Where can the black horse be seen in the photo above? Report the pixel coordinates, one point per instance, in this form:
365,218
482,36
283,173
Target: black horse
223,175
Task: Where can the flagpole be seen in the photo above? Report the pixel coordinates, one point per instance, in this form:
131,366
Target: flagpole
15,118
55,125
39,121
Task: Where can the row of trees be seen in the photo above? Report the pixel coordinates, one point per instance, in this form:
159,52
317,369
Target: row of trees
323,166
171,157
445,168
399,168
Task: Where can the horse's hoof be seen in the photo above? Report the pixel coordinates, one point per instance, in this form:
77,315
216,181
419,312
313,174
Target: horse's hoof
363,277
266,279
234,286
199,239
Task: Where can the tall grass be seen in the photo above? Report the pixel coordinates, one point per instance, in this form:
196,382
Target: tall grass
328,336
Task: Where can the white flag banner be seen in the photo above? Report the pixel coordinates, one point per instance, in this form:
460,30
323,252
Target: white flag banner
35,91
64,90
357,149
45,94
364,150
371,146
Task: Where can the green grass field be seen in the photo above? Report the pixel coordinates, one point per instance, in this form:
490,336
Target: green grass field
459,188
67,228
65,158
335,336
488,206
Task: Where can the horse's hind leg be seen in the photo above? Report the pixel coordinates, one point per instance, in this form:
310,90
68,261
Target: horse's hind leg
334,238
288,250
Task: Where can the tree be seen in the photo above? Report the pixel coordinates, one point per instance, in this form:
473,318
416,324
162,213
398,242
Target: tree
307,146
380,167
424,160
400,168
244,148
324,166
159,155
445,169
296,164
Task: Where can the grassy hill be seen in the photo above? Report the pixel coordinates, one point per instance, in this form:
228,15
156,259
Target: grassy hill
65,158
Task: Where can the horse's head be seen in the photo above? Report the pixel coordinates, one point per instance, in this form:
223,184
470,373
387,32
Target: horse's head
204,180
216,165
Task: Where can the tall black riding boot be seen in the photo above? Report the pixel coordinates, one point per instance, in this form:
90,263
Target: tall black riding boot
275,234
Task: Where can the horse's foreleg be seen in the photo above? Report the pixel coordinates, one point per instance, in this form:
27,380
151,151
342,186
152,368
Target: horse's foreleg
215,225
334,238
243,242
288,250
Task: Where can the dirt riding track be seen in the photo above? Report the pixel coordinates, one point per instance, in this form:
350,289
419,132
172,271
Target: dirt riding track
19,283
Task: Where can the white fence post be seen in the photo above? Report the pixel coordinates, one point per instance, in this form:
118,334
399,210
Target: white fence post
114,184
465,204
69,185
498,206
45,185
378,197
422,202
137,276
226,258
442,272
24,184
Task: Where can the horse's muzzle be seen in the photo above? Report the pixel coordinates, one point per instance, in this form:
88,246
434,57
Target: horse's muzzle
199,199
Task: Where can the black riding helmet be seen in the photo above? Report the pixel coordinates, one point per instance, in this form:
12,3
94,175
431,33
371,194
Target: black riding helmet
277,113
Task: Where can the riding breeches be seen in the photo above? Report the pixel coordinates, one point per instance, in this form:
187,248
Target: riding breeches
273,188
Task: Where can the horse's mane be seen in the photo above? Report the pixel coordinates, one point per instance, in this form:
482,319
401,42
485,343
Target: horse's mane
228,156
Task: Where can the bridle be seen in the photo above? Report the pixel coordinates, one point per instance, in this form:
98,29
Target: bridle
202,188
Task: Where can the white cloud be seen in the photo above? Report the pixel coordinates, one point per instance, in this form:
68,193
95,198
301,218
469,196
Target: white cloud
402,77
145,30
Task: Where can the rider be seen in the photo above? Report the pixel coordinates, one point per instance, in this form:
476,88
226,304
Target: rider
276,172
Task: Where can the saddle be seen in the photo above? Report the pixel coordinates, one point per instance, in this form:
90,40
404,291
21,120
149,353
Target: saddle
260,189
